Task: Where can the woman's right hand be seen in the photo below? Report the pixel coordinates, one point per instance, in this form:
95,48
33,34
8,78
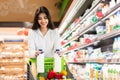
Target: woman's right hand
37,53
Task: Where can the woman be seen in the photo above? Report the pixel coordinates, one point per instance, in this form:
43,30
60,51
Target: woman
43,35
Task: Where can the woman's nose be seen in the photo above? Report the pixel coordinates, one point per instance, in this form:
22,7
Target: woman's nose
43,20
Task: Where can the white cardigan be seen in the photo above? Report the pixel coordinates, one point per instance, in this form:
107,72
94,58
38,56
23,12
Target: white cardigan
48,43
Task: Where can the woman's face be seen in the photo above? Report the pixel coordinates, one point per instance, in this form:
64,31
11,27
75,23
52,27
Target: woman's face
43,20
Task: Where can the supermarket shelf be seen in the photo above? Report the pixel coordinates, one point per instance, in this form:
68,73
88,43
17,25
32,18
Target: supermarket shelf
100,61
82,46
96,65
12,64
98,39
109,35
113,10
73,38
82,62
84,18
12,58
13,73
71,13
76,26
102,37
90,11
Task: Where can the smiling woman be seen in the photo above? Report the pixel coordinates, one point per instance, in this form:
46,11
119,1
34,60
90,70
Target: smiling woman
43,38
43,34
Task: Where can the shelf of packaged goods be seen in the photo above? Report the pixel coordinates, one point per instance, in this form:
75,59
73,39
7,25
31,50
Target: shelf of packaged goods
84,30
82,46
74,28
13,44
12,64
70,40
100,61
109,35
102,37
94,8
10,76
97,40
12,72
83,18
73,9
80,62
12,57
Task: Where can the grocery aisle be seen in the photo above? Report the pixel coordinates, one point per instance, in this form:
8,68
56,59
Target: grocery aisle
91,40
16,17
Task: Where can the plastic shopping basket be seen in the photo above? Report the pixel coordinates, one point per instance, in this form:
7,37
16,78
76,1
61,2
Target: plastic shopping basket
48,65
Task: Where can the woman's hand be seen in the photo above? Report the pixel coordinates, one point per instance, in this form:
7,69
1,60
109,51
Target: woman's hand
37,53
61,53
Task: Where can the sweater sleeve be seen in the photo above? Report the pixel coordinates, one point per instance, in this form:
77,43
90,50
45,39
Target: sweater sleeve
31,44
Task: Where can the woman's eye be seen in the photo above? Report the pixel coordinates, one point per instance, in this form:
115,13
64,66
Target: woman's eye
40,18
45,18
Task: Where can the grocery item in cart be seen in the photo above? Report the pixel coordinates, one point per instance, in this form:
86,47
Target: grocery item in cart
40,62
57,61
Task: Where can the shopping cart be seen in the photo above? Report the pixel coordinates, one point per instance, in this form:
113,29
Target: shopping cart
29,73
48,65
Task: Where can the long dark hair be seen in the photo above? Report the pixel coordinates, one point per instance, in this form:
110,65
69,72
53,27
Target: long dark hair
40,10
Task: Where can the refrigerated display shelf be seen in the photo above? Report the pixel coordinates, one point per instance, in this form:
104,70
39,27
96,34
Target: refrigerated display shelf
97,40
93,64
93,8
100,61
84,30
